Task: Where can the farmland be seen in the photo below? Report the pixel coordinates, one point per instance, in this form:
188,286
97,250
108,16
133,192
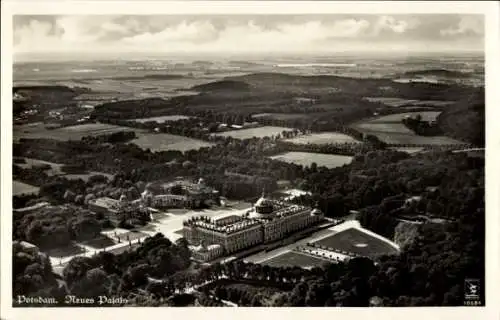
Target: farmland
409,150
280,116
85,176
293,258
391,130
260,132
39,131
323,138
161,119
399,102
307,158
398,117
30,163
19,188
164,141
356,241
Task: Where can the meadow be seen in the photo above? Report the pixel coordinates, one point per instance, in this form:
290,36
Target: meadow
164,142
409,150
398,102
358,242
280,116
391,130
55,168
293,258
161,119
323,138
39,131
19,188
398,117
307,158
85,176
260,132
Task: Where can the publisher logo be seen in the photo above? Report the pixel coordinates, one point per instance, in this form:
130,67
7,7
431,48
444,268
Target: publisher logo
472,290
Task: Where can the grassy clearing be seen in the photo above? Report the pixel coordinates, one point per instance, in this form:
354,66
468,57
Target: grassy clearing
19,188
39,131
358,242
161,119
398,102
261,132
391,130
280,116
323,138
85,176
292,258
398,117
30,163
165,141
307,158
409,150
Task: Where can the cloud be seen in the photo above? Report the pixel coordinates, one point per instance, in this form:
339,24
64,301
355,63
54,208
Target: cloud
466,26
101,34
391,24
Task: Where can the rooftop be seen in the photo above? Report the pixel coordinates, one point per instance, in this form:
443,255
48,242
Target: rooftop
105,202
229,228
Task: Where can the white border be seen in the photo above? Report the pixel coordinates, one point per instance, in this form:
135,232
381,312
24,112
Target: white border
489,8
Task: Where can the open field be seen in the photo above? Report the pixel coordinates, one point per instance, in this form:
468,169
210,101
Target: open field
265,131
409,150
165,141
280,116
358,242
19,188
161,119
398,117
30,163
293,258
85,176
391,130
39,131
323,138
398,102
307,158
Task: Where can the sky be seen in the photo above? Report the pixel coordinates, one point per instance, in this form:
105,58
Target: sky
253,34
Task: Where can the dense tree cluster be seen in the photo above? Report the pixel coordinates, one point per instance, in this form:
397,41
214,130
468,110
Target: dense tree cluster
421,127
53,227
31,273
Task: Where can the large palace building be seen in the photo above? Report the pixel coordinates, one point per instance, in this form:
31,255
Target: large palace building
266,222
179,194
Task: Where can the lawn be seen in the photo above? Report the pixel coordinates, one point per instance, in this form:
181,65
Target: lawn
164,141
161,119
323,138
358,242
293,258
307,158
260,132
19,188
39,131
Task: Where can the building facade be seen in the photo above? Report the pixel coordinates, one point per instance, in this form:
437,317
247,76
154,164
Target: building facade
266,222
179,194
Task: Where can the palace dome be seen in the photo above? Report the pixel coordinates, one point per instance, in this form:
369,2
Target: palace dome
263,207
263,202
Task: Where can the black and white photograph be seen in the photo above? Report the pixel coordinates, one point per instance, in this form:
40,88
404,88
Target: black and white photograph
266,159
